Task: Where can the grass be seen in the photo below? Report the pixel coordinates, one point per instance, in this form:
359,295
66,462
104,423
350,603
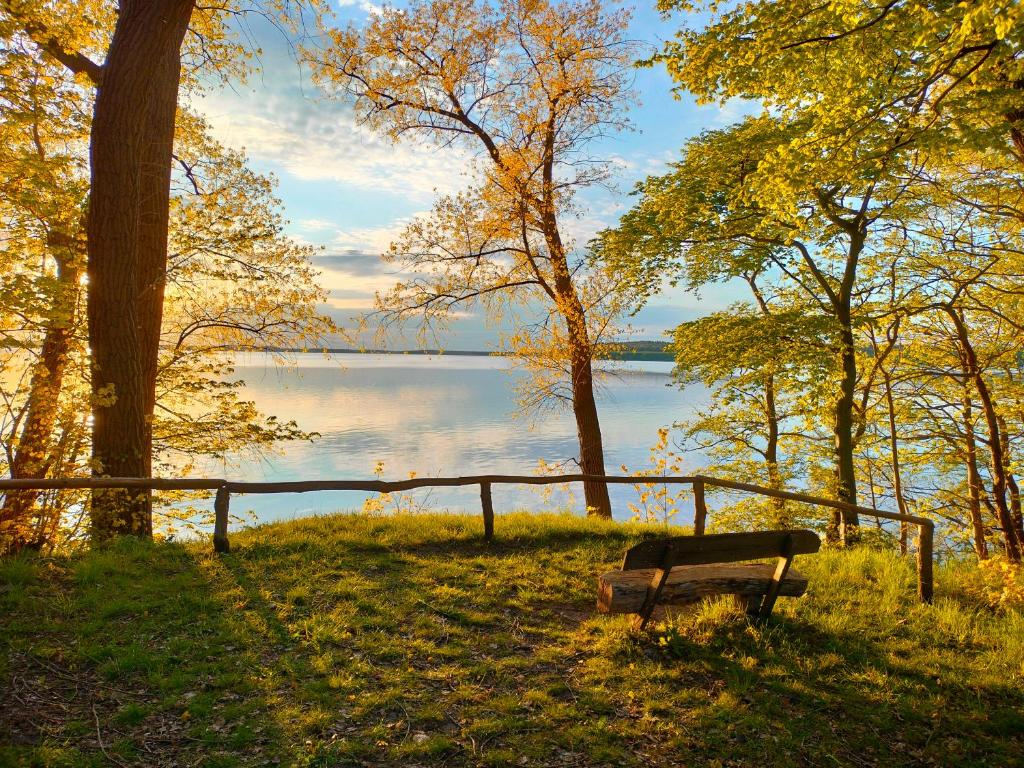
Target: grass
350,640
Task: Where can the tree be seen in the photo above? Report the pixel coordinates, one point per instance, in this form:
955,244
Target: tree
131,144
970,268
42,206
718,215
131,147
131,141
757,358
528,84
234,282
881,184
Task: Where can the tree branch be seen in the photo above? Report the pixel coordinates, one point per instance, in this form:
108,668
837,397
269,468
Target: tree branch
40,34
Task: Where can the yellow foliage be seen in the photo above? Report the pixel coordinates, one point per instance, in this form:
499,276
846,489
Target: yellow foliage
1003,582
391,503
656,502
234,281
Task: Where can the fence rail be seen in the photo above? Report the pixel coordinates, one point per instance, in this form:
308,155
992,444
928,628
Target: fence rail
698,483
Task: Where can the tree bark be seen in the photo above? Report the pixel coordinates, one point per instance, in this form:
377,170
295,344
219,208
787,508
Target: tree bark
974,488
581,348
584,404
131,153
894,460
1011,482
32,452
999,484
845,523
588,430
781,519
846,475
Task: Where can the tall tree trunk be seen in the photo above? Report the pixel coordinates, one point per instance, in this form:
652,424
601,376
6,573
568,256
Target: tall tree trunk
588,428
32,452
131,152
999,485
780,518
581,354
843,427
974,488
894,460
1011,481
581,348
845,523
584,405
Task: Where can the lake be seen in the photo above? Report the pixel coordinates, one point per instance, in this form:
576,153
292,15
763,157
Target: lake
439,415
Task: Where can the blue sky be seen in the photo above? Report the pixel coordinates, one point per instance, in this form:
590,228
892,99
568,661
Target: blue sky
351,191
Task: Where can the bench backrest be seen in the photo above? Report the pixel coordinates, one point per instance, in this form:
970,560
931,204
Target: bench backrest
721,548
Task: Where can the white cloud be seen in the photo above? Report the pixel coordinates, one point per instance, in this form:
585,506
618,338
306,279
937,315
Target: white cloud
363,5
328,144
284,120
654,165
316,225
373,240
354,285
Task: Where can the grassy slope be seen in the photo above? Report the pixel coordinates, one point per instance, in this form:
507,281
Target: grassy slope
353,640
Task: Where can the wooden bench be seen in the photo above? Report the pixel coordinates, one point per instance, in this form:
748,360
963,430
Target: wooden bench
686,569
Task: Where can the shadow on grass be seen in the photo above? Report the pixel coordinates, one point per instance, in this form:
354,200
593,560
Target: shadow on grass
366,644
849,697
133,653
530,597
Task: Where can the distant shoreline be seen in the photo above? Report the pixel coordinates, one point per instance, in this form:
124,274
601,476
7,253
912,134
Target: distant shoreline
630,354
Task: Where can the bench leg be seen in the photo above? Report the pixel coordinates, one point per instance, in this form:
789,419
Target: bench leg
653,595
773,591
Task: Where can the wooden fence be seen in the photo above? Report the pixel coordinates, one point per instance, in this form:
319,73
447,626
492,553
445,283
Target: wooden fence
224,489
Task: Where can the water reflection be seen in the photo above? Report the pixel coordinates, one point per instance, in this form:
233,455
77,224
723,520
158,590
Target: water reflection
437,415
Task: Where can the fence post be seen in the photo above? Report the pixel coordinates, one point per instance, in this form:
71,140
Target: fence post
925,576
220,522
488,507
700,509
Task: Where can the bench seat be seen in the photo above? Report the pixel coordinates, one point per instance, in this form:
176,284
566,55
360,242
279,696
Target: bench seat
625,591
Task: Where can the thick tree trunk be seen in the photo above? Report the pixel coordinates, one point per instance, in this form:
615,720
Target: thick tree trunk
32,452
131,152
974,488
999,484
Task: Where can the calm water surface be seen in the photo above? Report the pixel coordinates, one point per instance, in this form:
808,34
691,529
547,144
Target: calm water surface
438,415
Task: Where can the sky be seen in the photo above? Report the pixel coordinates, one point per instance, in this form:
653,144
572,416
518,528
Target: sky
349,191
